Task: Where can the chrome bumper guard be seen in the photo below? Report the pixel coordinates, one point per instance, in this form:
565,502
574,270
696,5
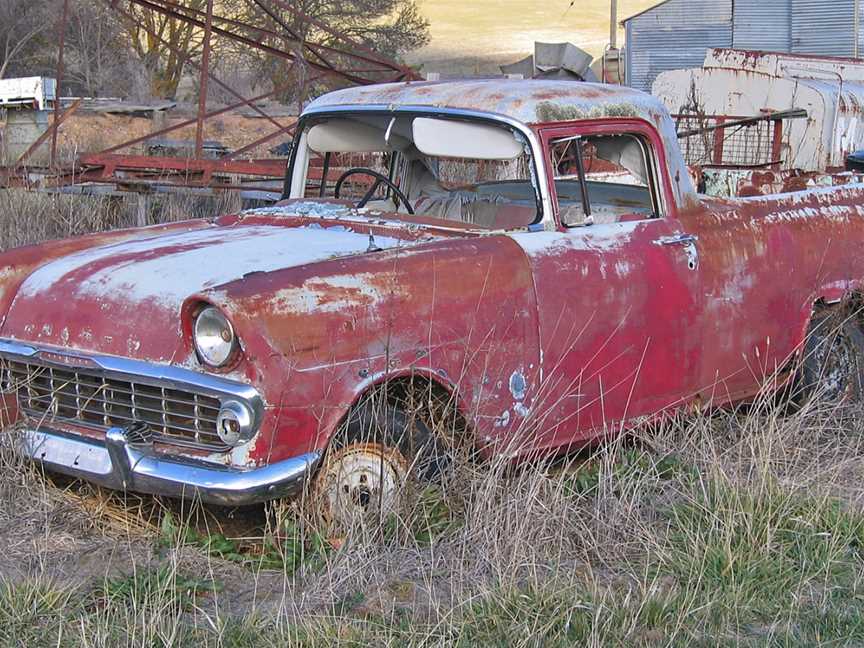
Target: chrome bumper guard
123,465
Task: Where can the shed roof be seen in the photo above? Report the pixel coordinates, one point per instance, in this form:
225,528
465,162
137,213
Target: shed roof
529,101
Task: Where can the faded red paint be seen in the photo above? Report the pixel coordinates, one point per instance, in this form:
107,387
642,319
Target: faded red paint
549,337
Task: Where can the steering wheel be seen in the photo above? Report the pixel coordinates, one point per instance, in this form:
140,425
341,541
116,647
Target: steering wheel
379,179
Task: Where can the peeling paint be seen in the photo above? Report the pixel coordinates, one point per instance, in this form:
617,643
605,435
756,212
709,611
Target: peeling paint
518,385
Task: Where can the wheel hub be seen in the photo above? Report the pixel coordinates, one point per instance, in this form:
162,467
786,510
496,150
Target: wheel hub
360,481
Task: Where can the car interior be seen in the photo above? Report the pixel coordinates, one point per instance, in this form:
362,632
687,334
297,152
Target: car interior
618,184
472,172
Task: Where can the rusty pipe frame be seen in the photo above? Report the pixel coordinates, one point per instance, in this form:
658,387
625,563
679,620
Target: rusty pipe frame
164,7
202,84
189,122
194,65
61,47
368,55
342,58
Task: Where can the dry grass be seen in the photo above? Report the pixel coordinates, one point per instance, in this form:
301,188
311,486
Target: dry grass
726,528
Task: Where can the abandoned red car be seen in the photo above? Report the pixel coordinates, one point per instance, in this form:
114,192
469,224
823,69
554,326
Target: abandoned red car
534,250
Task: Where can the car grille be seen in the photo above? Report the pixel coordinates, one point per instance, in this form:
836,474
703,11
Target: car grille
86,397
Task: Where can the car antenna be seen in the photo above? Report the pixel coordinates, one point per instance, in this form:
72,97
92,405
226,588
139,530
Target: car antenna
373,247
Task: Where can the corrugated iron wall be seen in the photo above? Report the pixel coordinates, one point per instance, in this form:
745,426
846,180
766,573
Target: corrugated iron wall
675,35
827,28
762,25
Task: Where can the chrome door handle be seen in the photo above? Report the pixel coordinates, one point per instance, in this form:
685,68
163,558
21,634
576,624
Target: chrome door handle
688,241
678,239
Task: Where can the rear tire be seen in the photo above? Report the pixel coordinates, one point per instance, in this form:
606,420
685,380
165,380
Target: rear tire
831,369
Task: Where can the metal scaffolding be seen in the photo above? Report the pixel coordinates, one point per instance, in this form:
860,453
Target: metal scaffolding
342,61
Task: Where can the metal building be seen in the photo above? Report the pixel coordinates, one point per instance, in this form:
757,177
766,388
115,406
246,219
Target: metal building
675,34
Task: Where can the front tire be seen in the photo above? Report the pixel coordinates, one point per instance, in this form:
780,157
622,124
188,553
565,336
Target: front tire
377,461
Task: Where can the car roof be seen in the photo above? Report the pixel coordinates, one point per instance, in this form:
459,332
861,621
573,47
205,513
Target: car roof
529,101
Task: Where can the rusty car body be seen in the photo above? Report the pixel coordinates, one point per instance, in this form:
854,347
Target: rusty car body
585,288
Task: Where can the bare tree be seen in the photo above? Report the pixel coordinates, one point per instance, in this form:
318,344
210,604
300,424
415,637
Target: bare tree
22,24
99,58
165,45
390,27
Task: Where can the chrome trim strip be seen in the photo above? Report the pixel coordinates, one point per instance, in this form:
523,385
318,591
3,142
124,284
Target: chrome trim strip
117,464
548,220
157,375
10,347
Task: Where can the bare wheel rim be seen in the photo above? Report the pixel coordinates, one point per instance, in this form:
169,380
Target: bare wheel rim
838,367
361,482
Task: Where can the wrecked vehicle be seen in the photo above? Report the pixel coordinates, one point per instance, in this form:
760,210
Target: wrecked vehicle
533,251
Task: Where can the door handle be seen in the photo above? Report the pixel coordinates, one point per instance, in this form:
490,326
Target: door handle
678,239
688,242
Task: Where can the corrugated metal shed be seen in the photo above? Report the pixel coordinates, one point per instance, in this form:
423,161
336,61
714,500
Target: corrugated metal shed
826,28
674,35
762,25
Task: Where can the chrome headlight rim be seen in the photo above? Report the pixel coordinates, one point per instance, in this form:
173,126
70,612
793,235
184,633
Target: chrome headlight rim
214,338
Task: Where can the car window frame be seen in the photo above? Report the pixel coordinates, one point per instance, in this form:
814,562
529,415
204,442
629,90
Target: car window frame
538,166
657,169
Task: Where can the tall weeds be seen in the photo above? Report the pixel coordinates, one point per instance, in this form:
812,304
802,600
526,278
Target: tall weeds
730,527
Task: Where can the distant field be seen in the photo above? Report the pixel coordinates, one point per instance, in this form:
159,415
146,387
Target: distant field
485,34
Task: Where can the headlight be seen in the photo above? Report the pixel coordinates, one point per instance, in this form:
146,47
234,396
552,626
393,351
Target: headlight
213,337
234,423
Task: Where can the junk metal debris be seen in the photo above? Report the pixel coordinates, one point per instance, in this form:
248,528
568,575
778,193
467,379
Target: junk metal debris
554,61
761,111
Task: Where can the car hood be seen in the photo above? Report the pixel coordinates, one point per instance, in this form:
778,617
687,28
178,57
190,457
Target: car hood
125,298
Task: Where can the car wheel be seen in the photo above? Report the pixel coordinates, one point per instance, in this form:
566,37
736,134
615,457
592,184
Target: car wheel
375,465
833,360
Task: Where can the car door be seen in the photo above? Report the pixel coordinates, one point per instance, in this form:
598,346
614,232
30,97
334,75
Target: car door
618,299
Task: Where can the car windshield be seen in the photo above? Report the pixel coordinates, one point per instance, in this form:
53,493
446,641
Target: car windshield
473,172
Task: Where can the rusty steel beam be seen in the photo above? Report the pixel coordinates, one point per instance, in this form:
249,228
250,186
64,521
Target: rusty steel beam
341,59
202,85
51,132
164,8
355,48
61,40
192,64
189,122
262,140
264,167
370,57
169,8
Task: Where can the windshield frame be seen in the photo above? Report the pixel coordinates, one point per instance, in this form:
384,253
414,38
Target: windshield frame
539,181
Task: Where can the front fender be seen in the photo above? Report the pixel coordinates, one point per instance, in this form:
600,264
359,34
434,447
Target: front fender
460,311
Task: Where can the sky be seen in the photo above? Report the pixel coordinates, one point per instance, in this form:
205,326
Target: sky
500,30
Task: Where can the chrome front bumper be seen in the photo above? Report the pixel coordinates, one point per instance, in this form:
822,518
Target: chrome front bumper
121,465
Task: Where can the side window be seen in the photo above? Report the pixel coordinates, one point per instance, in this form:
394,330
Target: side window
604,178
